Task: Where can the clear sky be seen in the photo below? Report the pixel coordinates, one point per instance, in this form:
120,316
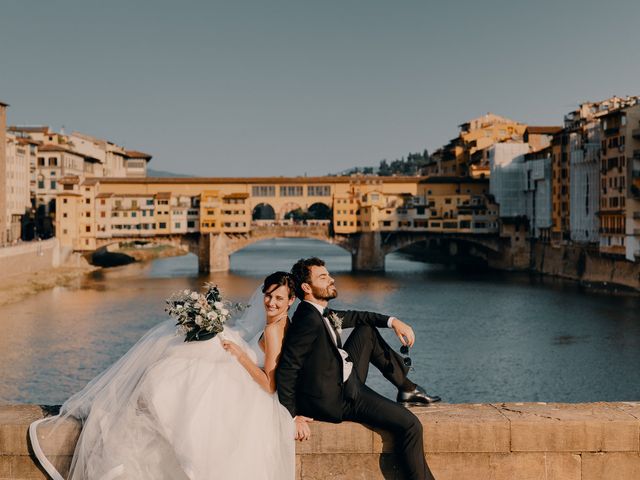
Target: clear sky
294,87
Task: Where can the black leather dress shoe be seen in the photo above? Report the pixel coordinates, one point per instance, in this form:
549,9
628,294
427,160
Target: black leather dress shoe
416,397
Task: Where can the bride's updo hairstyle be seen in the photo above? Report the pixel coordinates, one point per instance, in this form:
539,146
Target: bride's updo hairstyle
278,279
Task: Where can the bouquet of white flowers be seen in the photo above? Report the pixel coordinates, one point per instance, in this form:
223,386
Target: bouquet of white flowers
200,316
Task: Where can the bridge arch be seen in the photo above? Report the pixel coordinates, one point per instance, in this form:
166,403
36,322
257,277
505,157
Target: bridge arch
215,249
320,211
263,211
291,211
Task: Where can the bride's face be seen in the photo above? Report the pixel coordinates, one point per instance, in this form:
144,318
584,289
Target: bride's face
277,301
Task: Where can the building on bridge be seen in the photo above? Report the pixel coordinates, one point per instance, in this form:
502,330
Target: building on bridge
97,211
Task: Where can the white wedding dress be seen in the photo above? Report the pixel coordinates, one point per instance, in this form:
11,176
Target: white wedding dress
174,410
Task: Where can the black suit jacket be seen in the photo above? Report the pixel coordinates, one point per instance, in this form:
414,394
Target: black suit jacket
309,373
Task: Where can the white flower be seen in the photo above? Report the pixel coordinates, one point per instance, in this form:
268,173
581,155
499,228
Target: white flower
224,312
212,315
218,305
199,320
194,296
186,292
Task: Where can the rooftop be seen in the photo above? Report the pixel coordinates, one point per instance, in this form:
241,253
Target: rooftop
29,128
454,180
137,154
543,129
262,180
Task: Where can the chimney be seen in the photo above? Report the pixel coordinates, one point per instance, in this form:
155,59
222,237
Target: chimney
3,173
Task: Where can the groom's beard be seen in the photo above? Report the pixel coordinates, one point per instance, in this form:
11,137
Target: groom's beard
324,293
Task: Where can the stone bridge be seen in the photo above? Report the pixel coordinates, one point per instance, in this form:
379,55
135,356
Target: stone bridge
367,249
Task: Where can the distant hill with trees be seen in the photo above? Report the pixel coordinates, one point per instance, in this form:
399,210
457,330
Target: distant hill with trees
410,165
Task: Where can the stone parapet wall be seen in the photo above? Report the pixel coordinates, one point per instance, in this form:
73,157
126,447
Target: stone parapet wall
29,257
511,441
585,265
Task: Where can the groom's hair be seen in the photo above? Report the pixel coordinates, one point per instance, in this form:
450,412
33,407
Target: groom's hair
301,272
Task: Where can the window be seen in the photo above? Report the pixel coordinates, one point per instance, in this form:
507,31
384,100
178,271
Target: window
41,161
53,184
64,215
87,201
263,191
319,191
150,201
162,225
191,224
53,162
87,228
134,214
290,191
103,214
177,225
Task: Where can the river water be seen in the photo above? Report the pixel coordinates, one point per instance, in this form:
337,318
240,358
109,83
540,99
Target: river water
484,337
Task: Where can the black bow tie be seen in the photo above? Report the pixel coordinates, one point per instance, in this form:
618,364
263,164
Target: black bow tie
326,312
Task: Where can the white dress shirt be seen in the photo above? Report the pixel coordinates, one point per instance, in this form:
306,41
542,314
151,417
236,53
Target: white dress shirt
347,366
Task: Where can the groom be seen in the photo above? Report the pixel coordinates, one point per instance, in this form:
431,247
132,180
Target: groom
318,377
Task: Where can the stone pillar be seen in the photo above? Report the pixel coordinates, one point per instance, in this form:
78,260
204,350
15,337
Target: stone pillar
213,253
368,255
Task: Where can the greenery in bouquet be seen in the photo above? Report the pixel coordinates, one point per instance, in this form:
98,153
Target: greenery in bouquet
200,316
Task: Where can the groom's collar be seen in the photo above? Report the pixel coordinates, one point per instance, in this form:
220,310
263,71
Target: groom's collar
320,308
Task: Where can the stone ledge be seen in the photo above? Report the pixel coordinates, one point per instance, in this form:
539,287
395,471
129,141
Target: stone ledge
469,441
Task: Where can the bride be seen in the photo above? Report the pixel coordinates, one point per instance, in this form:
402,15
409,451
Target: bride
196,410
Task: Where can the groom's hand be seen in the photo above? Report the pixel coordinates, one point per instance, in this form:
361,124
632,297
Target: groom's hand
303,432
403,331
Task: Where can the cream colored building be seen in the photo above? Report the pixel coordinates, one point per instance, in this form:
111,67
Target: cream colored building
20,154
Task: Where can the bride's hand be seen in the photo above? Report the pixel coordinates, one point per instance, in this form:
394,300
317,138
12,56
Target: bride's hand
233,348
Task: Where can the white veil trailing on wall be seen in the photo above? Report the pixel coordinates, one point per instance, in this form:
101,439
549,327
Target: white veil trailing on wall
113,393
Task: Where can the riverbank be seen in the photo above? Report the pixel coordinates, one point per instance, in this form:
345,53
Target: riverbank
581,265
17,287
586,266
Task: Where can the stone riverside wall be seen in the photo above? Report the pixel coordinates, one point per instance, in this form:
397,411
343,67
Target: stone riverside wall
510,441
29,257
585,265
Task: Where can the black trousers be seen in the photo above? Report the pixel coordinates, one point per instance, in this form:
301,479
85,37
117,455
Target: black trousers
366,346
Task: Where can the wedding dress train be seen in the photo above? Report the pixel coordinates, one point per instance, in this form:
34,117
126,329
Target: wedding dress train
175,410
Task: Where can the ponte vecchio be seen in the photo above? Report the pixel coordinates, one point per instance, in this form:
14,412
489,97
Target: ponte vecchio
369,216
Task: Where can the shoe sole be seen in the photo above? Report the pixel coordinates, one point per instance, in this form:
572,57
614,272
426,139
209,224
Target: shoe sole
417,404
